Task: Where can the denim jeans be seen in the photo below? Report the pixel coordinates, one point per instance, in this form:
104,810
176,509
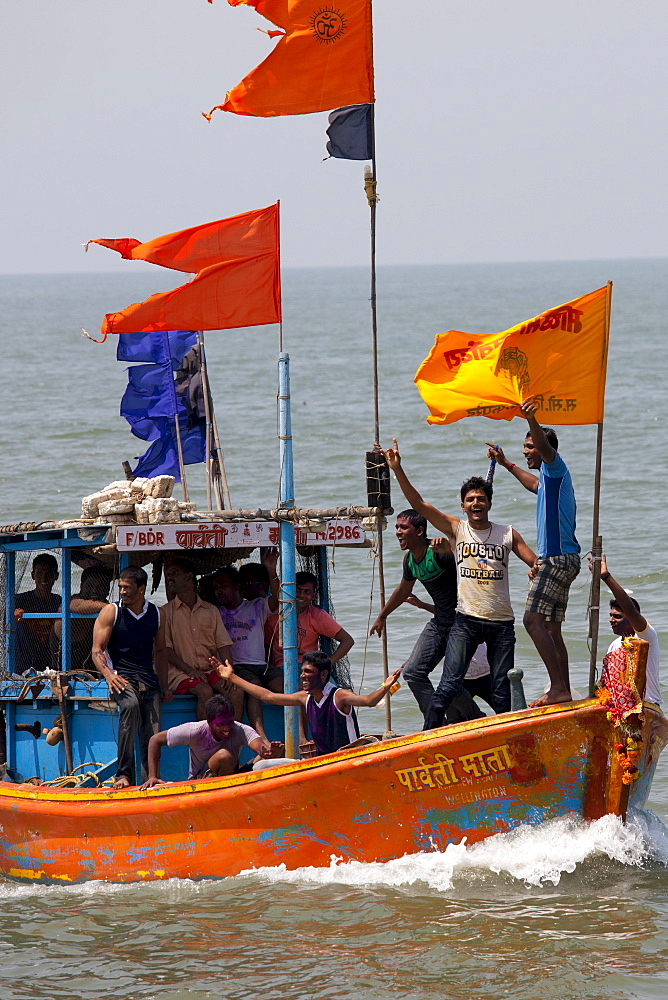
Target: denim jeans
428,651
465,636
139,711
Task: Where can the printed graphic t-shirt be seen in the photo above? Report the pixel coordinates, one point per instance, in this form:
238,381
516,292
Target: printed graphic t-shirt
482,571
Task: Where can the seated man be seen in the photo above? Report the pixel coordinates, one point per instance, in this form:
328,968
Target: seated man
215,743
312,622
191,632
626,620
245,620
329,710
92,597
32,635
123,652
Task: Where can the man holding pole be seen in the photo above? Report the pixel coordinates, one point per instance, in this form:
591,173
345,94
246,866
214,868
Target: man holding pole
558,548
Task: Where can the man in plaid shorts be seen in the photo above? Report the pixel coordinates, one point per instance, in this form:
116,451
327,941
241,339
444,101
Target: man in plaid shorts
558,550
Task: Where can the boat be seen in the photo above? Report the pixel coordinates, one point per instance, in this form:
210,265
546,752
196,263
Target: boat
371,803
409,794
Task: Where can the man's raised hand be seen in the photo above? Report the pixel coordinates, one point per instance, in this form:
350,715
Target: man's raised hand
392,455
528,409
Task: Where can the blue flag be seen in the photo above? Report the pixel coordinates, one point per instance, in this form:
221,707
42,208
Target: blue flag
162,458
152,399
158,348
351,132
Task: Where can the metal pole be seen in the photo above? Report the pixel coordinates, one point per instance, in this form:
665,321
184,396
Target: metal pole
288,594
65,619
372,198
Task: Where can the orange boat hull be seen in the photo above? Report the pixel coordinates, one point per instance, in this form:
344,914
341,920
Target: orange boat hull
414,793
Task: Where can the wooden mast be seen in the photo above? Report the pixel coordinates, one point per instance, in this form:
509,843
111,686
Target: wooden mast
597,543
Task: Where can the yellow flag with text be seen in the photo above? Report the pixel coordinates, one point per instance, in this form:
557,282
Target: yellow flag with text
558,359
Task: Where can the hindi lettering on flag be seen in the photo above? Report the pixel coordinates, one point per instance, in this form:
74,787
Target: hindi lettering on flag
558,359
323,60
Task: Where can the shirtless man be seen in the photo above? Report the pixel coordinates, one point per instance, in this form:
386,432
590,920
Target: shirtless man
558,548
484,613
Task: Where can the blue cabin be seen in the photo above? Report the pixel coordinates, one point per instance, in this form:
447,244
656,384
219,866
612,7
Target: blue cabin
57,717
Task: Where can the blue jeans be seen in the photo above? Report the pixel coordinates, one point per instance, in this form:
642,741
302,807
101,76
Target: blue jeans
465,636
428,651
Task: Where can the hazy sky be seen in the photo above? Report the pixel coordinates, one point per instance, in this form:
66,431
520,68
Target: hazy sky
505,131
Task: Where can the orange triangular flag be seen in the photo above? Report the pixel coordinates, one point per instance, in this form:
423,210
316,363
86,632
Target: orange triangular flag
323,61
237,283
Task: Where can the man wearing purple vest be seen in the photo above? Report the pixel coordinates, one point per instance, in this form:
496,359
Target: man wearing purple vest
329,710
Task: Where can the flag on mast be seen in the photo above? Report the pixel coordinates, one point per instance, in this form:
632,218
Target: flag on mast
558,358
350,133
153,400
324,59
236,263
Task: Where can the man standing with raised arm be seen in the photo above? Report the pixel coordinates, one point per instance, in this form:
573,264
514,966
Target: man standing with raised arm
558,549
484,614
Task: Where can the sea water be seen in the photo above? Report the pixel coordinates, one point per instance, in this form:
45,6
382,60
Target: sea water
566,909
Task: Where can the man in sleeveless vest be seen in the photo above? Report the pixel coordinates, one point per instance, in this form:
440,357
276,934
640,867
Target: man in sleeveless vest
558,549
484,614
123,650
330,710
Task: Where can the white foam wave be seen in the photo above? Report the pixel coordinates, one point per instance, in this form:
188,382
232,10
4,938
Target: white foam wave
532,855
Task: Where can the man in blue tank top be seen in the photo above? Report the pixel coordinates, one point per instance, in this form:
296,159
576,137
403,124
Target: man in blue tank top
558,549
123,641
330,710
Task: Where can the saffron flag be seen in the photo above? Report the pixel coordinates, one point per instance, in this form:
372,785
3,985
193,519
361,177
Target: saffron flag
558,359
236,263
323,60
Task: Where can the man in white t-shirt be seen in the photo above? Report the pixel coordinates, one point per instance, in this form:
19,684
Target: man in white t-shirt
481,550
626,620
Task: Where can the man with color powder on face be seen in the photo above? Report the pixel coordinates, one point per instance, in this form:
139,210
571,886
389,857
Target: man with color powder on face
214,743
558,549
329,710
